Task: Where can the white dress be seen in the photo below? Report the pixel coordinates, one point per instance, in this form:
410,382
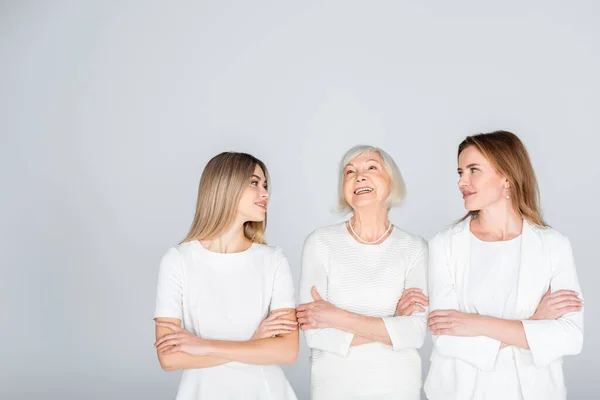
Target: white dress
492,290
225,297
367,280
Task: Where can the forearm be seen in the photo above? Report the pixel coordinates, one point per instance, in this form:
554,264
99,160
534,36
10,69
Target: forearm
177,361
370,328
506,331
358,340
277,350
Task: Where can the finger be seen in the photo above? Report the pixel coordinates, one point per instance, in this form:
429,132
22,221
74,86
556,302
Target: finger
168,343
438,320
440,325
280,332
170,325
279,327
417,307
277,314
564,311
170,350
302,321
315,294
412,290
305,306
439,313
302,314
281,322
166,337
564,297
441,332
563,292
566,303
418,299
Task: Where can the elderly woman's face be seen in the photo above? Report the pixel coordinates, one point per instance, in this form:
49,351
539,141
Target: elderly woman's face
366,182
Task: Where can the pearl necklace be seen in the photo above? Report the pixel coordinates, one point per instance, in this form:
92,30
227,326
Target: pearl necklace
374,241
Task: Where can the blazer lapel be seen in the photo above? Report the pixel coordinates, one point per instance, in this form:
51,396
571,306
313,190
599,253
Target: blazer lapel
531,272
461,249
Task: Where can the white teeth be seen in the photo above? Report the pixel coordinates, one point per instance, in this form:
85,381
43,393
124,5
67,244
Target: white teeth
363,190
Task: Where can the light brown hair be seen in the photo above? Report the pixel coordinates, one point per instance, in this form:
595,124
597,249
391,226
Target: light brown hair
223,182
508,155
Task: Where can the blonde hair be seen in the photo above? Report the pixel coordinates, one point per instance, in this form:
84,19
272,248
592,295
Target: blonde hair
508,155
223,182
398,187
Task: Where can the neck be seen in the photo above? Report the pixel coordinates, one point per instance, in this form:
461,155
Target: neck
502,222
370,224
232,240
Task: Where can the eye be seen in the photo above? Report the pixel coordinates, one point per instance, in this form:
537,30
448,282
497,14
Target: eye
459,173
266,187
254,183
372,167
473,170
348,172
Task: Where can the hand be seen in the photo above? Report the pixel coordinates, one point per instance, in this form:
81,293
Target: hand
411,300
274,325
318,314
555,305
453,323
181,341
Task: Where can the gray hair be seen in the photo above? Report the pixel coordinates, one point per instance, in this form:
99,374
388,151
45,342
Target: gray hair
398,187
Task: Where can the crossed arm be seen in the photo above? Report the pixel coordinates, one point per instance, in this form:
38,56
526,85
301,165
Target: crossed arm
335,330
275,342
554,330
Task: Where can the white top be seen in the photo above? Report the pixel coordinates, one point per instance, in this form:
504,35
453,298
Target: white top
367,280
225,297
492,285
546,262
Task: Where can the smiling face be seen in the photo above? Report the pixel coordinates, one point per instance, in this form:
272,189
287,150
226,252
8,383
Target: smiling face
481,185
366,182
254,201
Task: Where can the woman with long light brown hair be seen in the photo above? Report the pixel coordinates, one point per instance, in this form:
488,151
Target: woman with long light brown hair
505,300
225,308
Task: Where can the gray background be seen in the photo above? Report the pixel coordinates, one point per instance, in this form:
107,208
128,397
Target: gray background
109,111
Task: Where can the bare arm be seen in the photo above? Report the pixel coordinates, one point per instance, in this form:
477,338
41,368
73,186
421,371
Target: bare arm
281,349
179,360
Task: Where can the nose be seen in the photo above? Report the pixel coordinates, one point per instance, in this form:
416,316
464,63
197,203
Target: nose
264,193
360,177
463,181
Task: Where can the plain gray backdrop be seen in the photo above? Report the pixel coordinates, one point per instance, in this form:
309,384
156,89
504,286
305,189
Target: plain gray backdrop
109,111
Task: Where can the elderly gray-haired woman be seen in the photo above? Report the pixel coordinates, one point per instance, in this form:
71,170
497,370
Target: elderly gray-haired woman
363,285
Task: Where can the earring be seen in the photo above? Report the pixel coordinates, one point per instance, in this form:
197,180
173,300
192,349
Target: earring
507,196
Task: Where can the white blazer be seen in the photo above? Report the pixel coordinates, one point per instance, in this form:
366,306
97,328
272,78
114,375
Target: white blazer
546,261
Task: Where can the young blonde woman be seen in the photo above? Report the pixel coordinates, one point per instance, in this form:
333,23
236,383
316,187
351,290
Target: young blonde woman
505,299
225,302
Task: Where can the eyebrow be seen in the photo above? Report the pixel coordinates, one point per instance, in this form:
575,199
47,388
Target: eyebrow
257,177
370,159
470,166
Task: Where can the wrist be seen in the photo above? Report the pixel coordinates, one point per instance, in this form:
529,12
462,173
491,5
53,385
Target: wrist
209,347
480,324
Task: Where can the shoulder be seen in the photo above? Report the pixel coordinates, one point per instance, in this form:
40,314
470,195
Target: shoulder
409,240
269,253
326,234
551,236
450,231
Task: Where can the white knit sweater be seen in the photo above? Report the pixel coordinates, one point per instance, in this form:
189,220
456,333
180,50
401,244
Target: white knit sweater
367,280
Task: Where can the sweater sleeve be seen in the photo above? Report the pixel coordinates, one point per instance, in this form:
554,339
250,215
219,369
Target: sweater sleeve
409,331
314,274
